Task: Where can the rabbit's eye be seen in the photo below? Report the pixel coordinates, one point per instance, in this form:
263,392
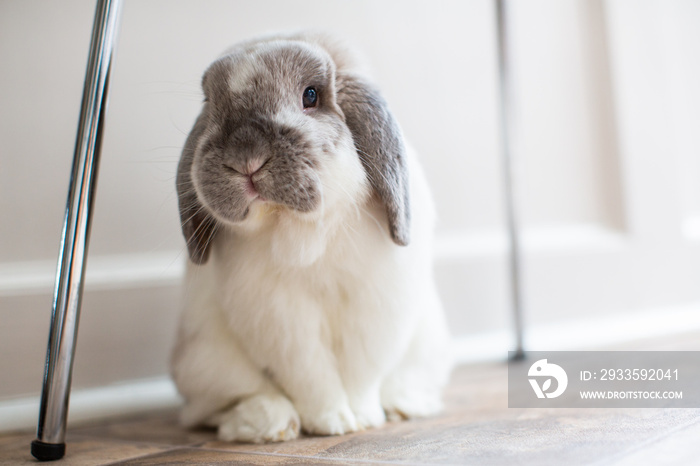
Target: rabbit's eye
310,97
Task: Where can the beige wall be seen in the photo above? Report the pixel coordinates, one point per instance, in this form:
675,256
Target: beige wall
585,73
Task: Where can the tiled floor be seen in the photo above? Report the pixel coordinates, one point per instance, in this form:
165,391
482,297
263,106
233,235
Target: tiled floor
476,428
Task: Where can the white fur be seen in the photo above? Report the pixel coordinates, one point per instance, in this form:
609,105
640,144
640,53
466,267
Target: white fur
319,321
314,321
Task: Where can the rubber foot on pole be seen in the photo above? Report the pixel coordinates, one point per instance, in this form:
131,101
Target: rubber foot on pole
518,355
48,451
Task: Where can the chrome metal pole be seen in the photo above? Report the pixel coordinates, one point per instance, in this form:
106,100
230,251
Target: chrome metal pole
51,430
507,133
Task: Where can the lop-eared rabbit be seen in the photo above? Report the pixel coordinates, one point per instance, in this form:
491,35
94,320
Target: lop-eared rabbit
310,300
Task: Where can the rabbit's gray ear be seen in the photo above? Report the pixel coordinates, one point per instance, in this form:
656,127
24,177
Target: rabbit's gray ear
198,226
380,146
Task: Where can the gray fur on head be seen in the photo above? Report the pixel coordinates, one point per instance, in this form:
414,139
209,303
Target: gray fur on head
239,135
198,226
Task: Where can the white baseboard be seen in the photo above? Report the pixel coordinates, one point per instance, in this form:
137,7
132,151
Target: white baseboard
580,335
137,270
144,395
579,238
94,404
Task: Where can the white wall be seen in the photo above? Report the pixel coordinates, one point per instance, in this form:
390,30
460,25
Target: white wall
608,158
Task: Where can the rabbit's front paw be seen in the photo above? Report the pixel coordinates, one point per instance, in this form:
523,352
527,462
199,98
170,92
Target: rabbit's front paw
338,421
260,419
408,404
368,411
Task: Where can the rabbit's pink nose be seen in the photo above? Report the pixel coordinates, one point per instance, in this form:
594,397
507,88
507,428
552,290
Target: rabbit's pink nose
250,188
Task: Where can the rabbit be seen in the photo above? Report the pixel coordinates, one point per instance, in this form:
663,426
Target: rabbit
310,303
